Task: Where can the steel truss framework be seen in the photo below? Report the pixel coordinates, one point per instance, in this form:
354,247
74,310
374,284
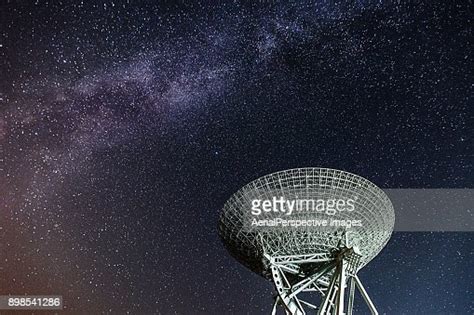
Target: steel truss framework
329,279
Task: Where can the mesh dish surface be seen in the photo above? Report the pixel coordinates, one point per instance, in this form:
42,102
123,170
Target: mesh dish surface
248,246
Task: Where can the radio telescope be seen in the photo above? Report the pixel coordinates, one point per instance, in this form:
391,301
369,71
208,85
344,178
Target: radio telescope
310,265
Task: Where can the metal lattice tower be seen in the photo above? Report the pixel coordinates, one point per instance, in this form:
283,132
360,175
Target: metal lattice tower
307,259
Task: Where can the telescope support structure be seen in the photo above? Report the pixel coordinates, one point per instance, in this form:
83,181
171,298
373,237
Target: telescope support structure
329,279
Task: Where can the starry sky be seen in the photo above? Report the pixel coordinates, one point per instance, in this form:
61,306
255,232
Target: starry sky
126,125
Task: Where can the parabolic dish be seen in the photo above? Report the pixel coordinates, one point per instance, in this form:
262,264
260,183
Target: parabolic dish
251,245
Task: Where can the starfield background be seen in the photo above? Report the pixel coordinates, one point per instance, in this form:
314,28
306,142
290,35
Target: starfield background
125,126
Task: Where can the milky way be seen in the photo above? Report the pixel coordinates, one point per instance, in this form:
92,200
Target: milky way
124,128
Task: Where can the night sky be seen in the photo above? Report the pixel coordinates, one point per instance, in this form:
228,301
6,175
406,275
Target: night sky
124,128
